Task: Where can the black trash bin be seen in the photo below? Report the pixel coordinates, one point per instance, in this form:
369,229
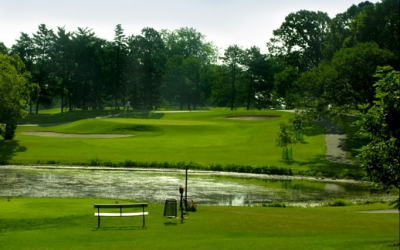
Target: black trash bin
170,208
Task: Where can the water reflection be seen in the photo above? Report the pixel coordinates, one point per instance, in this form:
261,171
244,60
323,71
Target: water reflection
157,186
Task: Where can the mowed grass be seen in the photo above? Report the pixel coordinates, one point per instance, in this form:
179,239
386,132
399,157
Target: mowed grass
55,223
199,137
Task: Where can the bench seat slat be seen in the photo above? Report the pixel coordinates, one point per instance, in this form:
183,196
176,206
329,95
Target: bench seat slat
120,215
120,205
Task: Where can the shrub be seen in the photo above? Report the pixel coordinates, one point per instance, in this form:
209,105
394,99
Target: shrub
274,204
340,202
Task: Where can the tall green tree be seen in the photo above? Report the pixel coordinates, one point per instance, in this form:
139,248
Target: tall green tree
233,59
379,23
340,30
41,70
25,49
175,88
355,68
63,64
259,72
285,87
188,49
220,90
134,71
152,58
346,81
119,64
14,93
381,122
299,40
88,85
3,48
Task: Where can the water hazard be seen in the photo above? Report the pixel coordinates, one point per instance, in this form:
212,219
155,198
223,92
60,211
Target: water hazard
207,188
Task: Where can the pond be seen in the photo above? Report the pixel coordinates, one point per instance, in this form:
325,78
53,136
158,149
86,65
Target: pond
154,185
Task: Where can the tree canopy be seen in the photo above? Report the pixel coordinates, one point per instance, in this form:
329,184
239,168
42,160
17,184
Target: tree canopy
14,93
381,122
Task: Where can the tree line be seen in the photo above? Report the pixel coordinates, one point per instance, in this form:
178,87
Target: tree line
329,66
310,56
147,71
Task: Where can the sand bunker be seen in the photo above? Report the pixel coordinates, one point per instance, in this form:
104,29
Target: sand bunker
252,117
55,134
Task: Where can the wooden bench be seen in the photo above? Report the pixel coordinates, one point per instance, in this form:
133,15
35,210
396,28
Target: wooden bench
120,214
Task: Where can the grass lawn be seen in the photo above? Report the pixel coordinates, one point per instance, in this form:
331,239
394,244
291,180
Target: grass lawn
55,223
200,137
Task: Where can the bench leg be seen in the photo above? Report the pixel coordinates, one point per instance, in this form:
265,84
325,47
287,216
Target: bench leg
98,222
143,217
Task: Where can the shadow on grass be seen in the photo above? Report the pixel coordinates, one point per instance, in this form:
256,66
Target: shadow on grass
71,116
313,130
127,228
170,223
8,149
319,166
143,115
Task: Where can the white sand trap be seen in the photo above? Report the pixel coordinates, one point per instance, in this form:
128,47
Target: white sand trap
62,135
252,117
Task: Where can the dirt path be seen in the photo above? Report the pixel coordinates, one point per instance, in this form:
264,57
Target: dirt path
385,211
335,138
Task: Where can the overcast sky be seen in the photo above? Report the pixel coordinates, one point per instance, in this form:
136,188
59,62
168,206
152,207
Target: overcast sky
224,22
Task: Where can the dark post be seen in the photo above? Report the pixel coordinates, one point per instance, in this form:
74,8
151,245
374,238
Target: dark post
180,204
186,208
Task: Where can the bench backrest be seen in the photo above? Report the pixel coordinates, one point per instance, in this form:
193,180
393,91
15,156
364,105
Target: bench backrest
120,205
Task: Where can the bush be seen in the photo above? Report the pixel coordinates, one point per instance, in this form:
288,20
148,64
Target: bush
340,202
191,165
274,204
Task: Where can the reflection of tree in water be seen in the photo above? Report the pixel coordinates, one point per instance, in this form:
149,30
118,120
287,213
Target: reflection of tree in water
157,187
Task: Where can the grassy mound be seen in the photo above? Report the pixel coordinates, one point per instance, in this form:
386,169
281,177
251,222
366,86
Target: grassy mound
203,138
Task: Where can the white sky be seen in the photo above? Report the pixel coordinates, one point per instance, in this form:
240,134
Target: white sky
224,22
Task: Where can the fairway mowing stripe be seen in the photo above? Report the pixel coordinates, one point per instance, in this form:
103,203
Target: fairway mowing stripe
54,134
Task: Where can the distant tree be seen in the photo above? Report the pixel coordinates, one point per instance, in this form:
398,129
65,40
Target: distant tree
14,93
220,90
89,80
233,59
134,71
299,39
380,157
285,85
41,70
355,68
119,66
25,49
3,48
345,82
340,30
189,57
188,42
379,23
259,71
63,64
175,79
152,59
